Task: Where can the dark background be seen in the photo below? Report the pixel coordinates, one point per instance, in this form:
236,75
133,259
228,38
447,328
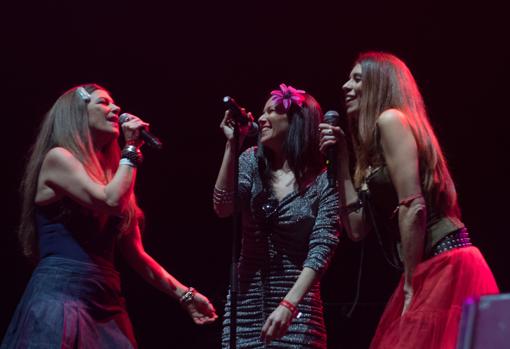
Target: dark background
172,62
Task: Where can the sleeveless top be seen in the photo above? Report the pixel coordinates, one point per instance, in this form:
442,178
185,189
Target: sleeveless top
383,200
66,229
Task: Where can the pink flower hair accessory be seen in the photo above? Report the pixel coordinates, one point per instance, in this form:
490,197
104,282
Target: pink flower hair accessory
287,95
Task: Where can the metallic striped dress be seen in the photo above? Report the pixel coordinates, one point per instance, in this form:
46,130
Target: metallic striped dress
279,239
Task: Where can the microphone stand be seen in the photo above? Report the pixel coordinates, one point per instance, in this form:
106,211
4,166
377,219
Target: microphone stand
240,118
236,228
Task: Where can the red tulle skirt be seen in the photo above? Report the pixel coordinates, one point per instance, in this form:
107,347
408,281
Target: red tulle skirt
440,284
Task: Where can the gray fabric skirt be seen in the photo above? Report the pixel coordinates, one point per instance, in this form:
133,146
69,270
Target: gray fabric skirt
70,304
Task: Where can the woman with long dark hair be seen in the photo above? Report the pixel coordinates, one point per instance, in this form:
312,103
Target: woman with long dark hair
78,207
403,192
289,224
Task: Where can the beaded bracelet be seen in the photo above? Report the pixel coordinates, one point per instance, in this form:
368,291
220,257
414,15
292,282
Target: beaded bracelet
293,309
125,161
133,154
221,196
188,296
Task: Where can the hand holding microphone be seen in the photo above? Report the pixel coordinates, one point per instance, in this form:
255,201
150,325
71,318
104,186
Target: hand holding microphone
151,140
331,135
237,116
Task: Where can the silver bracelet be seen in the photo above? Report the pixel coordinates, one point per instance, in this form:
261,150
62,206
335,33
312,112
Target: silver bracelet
221,196
126,161
133,154
188,296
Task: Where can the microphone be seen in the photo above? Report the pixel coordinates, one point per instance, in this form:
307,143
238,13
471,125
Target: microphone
333,118
240,115
151,140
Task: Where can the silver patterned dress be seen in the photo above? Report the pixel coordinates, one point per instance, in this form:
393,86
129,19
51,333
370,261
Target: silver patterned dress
279,239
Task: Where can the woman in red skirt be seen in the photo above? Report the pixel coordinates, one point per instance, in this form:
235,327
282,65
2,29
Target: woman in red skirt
403,192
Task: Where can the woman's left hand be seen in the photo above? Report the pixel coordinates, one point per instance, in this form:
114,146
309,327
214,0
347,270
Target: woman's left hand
200,309
276,324
408,297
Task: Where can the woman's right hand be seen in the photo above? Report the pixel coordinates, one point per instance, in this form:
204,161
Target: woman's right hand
228,123
131,129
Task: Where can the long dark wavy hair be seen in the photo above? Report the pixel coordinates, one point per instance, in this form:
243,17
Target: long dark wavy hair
301,147
388,83
66,125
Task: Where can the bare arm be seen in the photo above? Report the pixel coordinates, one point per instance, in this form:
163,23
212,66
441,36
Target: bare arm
223,204
401,156
200,309
225,183
352,220
63,175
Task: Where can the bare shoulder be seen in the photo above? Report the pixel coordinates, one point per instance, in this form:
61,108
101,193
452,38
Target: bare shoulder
393,124
56,162
59,157
391,118
59,162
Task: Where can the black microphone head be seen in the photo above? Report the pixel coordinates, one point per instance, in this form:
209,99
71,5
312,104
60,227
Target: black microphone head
332,117
230,102
238,112
240,115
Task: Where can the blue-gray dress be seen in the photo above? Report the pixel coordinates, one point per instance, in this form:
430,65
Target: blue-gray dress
279,239
73,298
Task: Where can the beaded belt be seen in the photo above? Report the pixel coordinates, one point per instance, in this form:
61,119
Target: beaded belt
456,239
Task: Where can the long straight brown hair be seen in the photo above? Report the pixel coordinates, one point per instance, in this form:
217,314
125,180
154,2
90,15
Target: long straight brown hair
388,83
66,125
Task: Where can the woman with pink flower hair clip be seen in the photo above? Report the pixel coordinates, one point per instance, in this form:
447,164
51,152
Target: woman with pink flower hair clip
289,224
